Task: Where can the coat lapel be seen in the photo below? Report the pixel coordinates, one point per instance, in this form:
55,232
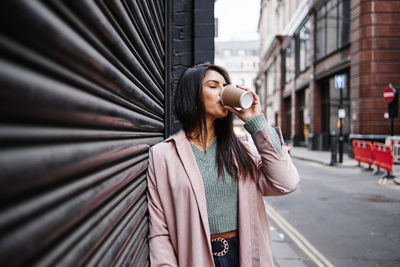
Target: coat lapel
189,162
244,221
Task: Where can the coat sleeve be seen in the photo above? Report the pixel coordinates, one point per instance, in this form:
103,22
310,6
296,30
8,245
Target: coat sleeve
162,252
277,174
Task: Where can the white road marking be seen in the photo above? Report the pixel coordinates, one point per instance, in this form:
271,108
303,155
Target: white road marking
298,238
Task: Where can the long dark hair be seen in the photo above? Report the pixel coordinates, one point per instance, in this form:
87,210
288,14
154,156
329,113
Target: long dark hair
191,113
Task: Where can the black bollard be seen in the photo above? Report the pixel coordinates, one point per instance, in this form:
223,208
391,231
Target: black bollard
333,149
341,138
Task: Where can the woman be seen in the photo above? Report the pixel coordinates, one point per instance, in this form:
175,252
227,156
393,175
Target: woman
205,186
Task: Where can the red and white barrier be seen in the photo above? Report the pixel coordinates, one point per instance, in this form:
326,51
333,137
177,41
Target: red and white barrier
363,152
377,154
394,142
383,156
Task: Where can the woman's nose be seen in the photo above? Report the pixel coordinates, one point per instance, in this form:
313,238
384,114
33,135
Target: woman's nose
220,87
220,90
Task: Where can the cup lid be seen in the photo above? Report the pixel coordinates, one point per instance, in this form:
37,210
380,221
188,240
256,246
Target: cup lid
220,95
246,100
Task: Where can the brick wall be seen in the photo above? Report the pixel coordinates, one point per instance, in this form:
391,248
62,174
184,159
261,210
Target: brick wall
375,62
193,33
192,39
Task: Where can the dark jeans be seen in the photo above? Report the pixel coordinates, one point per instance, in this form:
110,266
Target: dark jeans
230,259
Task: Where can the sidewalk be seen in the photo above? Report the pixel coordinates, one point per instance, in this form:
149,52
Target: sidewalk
284,252
324,157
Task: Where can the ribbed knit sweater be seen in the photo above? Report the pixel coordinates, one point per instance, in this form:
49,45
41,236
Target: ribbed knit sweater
222,194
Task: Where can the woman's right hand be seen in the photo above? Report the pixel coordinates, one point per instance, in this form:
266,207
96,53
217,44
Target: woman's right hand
248,113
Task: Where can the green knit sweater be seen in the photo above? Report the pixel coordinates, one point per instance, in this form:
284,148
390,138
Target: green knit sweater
222,194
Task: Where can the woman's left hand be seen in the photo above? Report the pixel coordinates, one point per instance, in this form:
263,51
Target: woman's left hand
248,113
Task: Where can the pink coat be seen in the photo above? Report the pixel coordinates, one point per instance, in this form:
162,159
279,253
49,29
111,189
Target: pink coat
179,231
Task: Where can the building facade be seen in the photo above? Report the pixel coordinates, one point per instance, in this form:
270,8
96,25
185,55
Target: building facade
329,63
240,58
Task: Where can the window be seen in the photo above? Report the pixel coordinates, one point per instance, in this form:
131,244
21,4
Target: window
289,62
332,27
270,75
227,52
302,47
241,52
320,34
344,27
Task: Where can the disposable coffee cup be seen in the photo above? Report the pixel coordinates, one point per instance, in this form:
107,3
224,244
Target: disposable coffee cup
236,97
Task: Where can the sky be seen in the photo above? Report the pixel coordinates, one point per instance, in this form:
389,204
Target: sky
237,19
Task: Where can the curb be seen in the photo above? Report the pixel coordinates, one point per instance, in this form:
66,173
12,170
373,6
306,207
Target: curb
396,180
322,162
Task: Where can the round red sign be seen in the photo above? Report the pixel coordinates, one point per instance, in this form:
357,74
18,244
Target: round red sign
388,94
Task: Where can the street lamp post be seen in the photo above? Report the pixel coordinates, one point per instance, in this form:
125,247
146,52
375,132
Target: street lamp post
341,126
340,84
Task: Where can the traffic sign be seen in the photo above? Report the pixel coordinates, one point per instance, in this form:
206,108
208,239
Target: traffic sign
388,94
339,81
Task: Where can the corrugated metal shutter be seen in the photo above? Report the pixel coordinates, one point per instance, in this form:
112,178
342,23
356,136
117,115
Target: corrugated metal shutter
81,100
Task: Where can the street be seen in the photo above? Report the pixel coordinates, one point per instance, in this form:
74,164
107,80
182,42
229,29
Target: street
344,213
